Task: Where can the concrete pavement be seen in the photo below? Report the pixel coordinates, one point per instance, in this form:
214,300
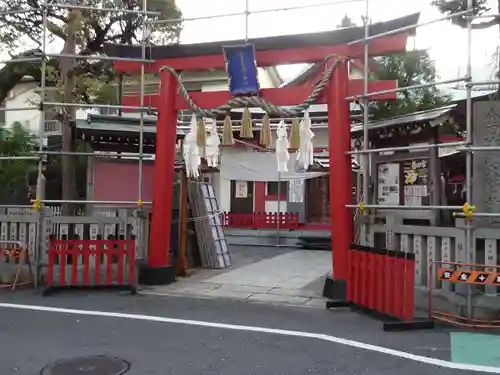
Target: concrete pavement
189,336
268,275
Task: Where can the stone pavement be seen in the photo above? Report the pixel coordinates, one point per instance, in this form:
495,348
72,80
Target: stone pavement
287,277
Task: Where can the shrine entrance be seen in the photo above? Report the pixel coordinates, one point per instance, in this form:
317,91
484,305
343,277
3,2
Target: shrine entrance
242,196
332,50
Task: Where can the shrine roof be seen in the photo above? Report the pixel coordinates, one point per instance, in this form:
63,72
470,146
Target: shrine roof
440,114
335,37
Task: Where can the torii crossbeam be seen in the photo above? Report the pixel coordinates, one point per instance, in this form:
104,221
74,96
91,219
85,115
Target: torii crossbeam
309,48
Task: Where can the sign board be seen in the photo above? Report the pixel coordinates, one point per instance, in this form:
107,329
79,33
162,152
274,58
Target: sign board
388,184
416,181
241,189
296,191
242,69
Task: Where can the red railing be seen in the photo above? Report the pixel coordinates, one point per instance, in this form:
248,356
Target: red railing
260,220
91,263
382,282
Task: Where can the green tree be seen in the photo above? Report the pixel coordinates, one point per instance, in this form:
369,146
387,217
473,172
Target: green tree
82,32
480,7
410,68
15,173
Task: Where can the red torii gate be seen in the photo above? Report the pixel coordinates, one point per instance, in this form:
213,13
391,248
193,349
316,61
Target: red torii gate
308,48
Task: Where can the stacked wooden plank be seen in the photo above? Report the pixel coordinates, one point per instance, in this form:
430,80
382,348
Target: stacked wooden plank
212,243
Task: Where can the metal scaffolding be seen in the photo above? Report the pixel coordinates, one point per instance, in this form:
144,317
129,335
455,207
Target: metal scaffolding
145,29
146,25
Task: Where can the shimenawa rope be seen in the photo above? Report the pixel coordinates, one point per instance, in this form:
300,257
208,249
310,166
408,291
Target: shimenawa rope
255,101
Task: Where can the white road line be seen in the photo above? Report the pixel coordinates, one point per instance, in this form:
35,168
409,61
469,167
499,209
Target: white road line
234,327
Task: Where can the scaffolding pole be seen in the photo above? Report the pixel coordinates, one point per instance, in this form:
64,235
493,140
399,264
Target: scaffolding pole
484,83
401,207
408,28
366,140
21,59
261,11
145,37
18,11
132,204
30,108
407,148
40,182
468,156
93,106
96,9
94,57
407,88
479,214
479,148
21,157
96,154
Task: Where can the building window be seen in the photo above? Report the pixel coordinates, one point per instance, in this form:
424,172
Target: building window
109,111
273,187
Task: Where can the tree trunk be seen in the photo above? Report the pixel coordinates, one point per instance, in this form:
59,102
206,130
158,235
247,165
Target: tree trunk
68,117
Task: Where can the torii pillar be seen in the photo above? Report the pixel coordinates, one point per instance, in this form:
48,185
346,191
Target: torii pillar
339,143
277,52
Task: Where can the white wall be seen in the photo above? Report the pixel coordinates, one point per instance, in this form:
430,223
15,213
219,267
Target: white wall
214,86
265,80
355,72
224,197
275,206
25,95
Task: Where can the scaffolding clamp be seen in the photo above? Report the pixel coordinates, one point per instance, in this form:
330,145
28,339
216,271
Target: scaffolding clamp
468,210
139,203
37,204
362,207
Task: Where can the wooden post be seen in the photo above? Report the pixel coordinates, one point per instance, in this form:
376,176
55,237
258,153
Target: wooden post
183,218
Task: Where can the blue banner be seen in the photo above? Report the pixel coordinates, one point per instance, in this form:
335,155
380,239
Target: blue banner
242,69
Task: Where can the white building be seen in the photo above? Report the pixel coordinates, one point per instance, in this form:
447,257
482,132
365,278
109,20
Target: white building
23,100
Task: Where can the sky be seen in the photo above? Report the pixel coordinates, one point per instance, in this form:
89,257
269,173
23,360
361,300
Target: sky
447,44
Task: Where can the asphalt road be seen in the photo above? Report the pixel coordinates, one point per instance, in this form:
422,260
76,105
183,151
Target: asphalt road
153,343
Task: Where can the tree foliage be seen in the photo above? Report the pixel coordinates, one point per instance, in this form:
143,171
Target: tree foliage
18,176
409,69
82,32
15,173
479,7
93,30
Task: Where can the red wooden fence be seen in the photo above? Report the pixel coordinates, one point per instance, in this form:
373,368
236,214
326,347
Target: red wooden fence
260,220
105,263
382,282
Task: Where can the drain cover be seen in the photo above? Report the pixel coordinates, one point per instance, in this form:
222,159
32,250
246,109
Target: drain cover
96,365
